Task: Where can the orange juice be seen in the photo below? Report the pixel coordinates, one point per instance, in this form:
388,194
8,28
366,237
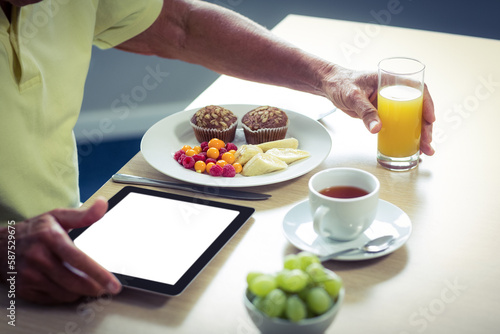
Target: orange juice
400,109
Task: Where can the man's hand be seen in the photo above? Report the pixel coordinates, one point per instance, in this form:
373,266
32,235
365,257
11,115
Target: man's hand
355,93
46,258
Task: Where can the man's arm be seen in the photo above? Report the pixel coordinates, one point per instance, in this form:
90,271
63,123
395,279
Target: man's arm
228,43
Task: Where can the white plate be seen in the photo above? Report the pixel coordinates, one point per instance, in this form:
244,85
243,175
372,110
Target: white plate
168,135
298,228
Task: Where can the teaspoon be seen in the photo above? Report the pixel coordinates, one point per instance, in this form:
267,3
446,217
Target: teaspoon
373,246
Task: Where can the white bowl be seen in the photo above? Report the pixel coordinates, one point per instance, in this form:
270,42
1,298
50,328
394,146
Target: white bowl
314,325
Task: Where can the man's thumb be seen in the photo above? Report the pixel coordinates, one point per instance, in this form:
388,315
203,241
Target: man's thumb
75,218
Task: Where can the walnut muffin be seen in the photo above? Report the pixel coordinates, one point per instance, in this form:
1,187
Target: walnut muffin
214,122
264,124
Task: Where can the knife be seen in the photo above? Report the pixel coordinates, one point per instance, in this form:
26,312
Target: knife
326,113
214,191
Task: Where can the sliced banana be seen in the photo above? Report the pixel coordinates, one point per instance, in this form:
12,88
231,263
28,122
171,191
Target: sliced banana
282,143
263,163
245,153
288,155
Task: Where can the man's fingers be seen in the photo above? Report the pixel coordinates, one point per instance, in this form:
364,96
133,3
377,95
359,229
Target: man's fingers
64,248
75,218
38,288
44,261
426,139
428,107
428,117
367,112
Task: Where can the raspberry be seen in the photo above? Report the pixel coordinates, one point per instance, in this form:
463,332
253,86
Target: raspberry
188,162
178,154
198,157
181,158
216,170
228,171
231,146
221,152
204,144
210,160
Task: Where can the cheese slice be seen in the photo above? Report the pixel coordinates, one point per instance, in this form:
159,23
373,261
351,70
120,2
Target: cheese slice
282,143
263,163
288,155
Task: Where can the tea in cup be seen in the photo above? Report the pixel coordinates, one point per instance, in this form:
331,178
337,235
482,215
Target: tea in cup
343,202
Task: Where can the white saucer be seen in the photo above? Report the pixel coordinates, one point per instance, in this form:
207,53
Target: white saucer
298,229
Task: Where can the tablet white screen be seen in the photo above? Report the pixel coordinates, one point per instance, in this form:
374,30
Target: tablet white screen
152,237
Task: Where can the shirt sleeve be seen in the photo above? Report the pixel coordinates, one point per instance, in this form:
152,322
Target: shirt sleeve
119,20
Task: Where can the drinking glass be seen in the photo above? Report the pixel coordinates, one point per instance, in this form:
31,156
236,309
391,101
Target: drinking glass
400,97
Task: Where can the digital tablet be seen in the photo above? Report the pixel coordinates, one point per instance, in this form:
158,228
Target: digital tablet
158,241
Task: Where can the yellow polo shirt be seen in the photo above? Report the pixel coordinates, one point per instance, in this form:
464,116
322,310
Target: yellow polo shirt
44,58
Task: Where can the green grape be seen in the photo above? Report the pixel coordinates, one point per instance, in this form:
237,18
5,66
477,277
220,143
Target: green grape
317,272
274,303
258,303
294,281
262,285
280,277
251,275
306,258
295,310
332,287
318,300
303,293
291,261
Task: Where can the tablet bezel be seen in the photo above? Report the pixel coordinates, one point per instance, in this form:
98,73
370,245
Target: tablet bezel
244,213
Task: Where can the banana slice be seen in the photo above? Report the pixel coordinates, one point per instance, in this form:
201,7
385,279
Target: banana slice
288,155
245,153
282,143
263,163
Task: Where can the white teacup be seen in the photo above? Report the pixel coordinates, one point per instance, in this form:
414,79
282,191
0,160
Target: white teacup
343,219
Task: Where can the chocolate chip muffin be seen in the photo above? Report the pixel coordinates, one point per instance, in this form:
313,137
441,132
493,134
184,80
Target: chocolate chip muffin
264,124
214,122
